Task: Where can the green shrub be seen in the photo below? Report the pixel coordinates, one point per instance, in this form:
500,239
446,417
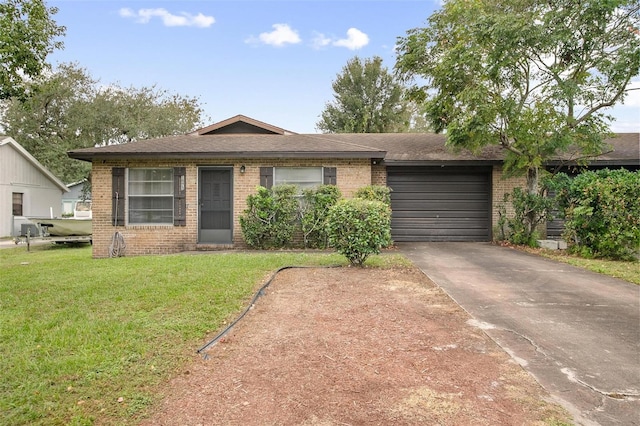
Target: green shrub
375,193
358,228
270,218
530,210
314,208
602,214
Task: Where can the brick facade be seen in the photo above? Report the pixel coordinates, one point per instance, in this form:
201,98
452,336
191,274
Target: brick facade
378,174
352,174
500,187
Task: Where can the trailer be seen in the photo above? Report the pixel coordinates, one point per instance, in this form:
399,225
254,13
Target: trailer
58,231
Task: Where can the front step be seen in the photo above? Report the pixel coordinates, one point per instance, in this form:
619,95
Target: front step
213,247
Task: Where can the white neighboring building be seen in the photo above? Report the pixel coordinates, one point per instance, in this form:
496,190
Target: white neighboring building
76,203
27,188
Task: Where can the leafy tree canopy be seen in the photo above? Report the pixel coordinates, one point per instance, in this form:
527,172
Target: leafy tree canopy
368,99
69,110
27,35
535,77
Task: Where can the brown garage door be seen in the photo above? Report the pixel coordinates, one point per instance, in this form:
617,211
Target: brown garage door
440,203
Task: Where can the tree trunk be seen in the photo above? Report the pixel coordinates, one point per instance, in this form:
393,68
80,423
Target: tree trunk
532,180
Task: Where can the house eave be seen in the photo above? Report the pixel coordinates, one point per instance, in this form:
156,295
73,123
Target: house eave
442,163
223,155
615,163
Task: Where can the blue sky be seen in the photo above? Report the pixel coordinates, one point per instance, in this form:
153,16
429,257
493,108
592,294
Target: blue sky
273,61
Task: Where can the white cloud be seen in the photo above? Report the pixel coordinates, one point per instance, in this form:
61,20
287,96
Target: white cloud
183,19
319,40
281,35
355,39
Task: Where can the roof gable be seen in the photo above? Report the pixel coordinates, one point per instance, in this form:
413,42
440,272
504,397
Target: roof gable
241,124
6,141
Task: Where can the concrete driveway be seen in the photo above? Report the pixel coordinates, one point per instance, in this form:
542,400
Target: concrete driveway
576,332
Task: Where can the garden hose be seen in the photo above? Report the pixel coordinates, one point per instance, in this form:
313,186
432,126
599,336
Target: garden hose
117,247
259,293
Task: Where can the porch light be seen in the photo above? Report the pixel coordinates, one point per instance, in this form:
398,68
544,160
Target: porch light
242,168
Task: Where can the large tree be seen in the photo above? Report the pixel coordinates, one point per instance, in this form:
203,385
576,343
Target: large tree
69,110
27,35
535,77
368,99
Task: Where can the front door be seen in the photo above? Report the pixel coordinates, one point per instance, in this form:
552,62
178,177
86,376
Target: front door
215,215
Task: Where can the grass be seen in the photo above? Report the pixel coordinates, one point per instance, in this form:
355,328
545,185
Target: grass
628,271
86,341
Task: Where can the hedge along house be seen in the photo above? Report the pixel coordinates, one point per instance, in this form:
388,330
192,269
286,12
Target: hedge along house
187,192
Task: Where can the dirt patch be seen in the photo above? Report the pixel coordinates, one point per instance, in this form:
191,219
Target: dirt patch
352,346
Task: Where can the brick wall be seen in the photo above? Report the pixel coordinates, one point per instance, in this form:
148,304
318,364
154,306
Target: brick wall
164,239
378,174
501,186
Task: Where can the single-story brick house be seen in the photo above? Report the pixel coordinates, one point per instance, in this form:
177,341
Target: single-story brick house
186,192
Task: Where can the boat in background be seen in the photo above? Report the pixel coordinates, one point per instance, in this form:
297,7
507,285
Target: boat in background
64,227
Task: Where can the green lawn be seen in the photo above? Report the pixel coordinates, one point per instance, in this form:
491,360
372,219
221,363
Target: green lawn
628,271
86,341
79,334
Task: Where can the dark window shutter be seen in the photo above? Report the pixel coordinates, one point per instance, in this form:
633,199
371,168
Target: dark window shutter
266,177
179,196
329,177
117,204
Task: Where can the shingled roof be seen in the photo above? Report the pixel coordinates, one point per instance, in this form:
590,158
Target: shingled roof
400,148
242,124
244,137
232,146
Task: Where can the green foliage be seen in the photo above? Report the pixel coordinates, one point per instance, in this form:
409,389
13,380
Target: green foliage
111,328
530,210
27,35
69,110
359,228
602,213
269,220
624,270
314,209
368,99
375,193
534,78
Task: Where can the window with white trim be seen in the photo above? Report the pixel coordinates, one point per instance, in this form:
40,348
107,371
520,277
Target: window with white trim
150,196
303,177
17,199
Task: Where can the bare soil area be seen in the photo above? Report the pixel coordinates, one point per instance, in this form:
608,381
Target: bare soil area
353,346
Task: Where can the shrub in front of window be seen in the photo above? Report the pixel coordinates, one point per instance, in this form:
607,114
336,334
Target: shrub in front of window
270,218
358,228
314,208
375,192
602,213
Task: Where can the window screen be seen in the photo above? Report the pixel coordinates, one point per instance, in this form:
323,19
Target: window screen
150,196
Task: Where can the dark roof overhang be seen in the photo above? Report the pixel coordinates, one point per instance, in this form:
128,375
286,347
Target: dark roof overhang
442,163
88,156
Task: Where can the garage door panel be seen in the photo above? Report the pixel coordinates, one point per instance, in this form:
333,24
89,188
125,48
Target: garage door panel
440,204
437,175
410,197
437,234
443,203
418,214
439,187
441,223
